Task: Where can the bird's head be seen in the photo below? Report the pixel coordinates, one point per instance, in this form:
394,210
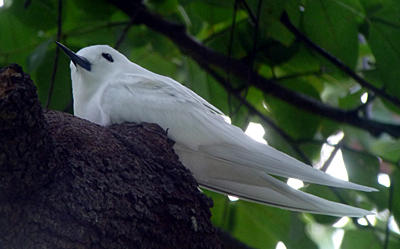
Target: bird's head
93,66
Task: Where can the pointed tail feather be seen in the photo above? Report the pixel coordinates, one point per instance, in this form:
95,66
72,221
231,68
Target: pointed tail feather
285,197
256,186
269,160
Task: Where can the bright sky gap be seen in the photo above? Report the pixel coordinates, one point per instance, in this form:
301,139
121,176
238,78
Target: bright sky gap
1,3
280,245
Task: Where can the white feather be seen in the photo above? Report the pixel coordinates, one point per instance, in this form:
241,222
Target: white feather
220,155
255,186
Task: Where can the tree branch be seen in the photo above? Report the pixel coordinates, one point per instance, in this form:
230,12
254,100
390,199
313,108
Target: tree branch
206,56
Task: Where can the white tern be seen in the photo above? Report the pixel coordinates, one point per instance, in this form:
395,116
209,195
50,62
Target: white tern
109,89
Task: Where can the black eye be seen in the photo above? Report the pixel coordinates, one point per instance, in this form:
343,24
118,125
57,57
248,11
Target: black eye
108,57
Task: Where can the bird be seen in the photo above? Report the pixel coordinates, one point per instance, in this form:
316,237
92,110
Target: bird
110,89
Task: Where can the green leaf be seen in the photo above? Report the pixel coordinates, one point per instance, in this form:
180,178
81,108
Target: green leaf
104,10
17,41
255,97
333,26
369,240
340,90
194,78
36,58
351,100
325,193
164,6
213,3
298,123
243,37
62,93
274,53
275,140
312,150
395,181
364,169
384,40
210,13
386,147
47,10
301,64
361,168
382,112
328,128
269,24
256,225
153,61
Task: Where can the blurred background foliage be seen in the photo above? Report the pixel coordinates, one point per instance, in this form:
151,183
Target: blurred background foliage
363,34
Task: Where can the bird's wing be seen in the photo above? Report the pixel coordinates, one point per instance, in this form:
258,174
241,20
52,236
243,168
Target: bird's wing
221,156
189,119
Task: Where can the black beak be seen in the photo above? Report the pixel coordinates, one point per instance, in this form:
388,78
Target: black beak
76,59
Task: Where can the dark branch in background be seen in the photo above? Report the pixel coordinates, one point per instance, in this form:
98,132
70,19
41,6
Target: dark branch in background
299,35
55,64
206,56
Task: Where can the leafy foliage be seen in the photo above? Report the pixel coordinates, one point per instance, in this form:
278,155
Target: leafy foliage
363,34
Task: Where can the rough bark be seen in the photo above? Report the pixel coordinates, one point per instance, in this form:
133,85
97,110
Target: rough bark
68,183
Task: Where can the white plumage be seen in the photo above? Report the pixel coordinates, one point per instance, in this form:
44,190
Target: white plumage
109,89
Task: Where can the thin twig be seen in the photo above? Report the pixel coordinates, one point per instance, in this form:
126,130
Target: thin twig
230,47
345,147
222,32
123,34
253,18
335,150
252,53
364,108
55,64
390,206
